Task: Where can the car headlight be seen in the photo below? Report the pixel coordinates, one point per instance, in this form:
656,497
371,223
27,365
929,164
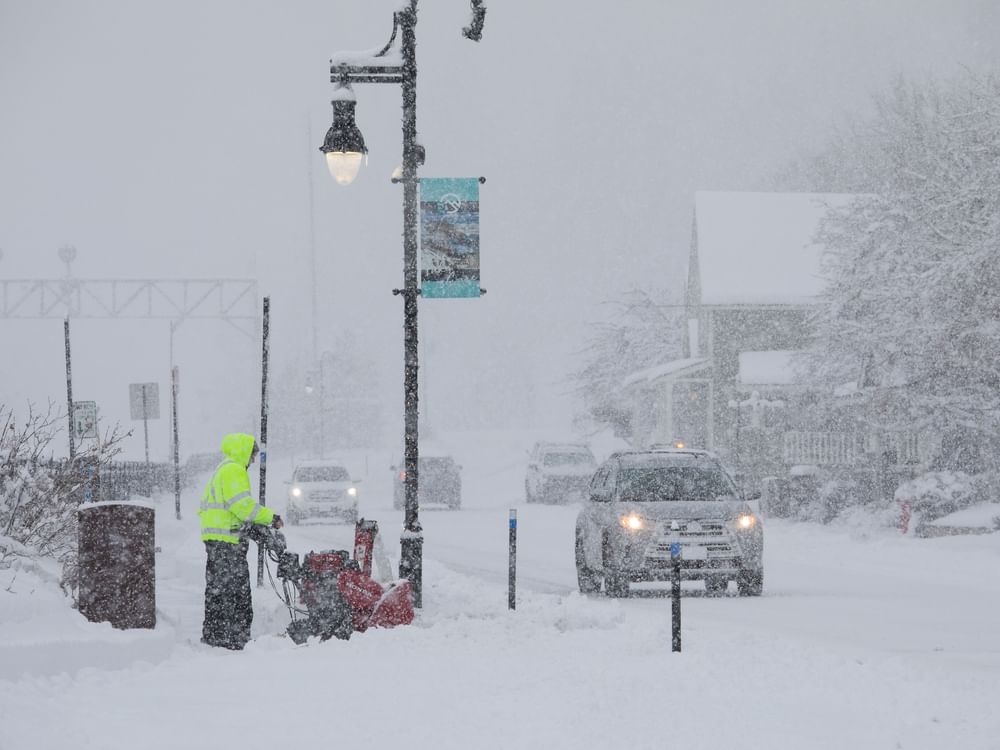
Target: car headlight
296,491
632,522
352,491
746,521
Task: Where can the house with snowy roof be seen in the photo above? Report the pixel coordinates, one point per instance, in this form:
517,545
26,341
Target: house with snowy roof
753,278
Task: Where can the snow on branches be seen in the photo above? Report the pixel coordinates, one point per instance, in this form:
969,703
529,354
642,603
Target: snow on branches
913,265
642,330
39,495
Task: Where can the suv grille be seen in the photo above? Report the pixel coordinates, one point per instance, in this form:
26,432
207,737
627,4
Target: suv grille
696,529
325,494
712,536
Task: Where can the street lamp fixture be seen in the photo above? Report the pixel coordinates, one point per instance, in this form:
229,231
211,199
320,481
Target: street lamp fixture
344,147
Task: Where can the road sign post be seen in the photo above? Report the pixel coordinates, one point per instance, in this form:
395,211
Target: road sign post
144,400
174,388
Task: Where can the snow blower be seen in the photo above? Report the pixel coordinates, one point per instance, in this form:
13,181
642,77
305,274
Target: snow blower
339,593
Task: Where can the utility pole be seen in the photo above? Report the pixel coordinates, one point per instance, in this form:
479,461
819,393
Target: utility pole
69,392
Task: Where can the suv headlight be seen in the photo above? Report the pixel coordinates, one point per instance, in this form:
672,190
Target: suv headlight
632,522
296,491
352,491
746,521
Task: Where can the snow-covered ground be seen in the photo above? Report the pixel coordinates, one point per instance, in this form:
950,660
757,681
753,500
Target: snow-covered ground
861,640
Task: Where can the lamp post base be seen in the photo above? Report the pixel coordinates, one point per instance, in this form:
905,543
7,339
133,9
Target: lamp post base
411,543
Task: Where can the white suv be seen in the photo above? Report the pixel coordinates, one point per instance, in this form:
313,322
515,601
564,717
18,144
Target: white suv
322,489
643,503
558,470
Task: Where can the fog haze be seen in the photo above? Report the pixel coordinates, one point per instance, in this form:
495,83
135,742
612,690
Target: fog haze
180,140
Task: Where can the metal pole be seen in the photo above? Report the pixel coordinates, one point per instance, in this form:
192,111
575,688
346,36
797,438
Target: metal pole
411,540
69,392
312,252
322,407
675,591
174,385
145,431
512,560
263,427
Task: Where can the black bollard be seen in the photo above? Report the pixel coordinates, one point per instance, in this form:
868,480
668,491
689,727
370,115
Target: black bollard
675,590
512,560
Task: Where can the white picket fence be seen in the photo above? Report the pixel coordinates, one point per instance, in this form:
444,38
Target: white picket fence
848,448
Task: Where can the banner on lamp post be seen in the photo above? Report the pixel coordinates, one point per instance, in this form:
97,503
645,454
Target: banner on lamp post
449,237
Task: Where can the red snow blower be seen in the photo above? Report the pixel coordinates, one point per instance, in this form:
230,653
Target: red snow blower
339,593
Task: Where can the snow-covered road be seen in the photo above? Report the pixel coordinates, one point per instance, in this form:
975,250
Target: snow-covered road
862,640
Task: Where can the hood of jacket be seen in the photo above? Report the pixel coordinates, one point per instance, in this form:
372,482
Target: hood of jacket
237,447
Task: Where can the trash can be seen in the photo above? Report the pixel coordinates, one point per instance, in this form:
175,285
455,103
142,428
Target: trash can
117,563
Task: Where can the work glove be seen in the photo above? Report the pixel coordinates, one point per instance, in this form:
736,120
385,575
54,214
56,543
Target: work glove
277,523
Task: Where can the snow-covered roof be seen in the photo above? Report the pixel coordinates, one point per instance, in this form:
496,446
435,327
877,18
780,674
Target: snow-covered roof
677,368
775,367
757,248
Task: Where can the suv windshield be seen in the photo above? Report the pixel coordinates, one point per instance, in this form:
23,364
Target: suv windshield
650,483
322,474
435,465
566,459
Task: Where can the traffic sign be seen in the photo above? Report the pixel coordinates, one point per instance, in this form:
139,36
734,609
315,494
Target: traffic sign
85,419
144,400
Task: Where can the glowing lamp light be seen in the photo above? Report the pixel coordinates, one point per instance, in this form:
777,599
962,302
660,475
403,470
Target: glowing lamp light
344,145
344,165
632,522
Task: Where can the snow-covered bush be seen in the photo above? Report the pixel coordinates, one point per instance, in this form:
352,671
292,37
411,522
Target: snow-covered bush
39,495
938,493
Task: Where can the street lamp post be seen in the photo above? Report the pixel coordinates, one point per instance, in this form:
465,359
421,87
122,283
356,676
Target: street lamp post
345,150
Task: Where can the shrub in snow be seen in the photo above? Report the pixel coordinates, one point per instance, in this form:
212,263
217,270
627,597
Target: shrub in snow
39,495
938,493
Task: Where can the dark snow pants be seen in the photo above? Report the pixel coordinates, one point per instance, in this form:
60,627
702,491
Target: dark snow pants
228,606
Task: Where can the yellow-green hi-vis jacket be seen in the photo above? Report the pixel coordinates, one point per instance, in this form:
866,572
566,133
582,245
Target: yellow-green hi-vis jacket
227,503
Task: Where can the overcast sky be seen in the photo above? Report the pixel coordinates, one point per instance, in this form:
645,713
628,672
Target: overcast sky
178,139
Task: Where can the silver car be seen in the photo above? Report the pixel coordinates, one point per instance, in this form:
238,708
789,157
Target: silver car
322,489
641,503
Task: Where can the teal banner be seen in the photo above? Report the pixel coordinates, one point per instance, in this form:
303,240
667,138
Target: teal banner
449,237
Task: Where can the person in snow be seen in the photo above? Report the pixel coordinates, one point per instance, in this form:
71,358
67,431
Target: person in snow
227,507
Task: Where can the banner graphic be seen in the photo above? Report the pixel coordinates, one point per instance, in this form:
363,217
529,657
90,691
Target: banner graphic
449,237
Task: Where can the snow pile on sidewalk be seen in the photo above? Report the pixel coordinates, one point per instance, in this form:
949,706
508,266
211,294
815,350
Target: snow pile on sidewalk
858,642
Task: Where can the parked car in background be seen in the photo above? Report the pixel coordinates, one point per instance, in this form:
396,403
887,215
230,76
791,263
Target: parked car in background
322,489
439,481
199,465
557,471
640,503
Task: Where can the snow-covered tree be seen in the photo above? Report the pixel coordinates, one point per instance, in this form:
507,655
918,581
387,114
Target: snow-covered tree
643,329
912,309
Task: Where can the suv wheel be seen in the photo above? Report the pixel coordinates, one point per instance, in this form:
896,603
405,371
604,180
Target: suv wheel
750,582
716,586
528,497
293,517
588,579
